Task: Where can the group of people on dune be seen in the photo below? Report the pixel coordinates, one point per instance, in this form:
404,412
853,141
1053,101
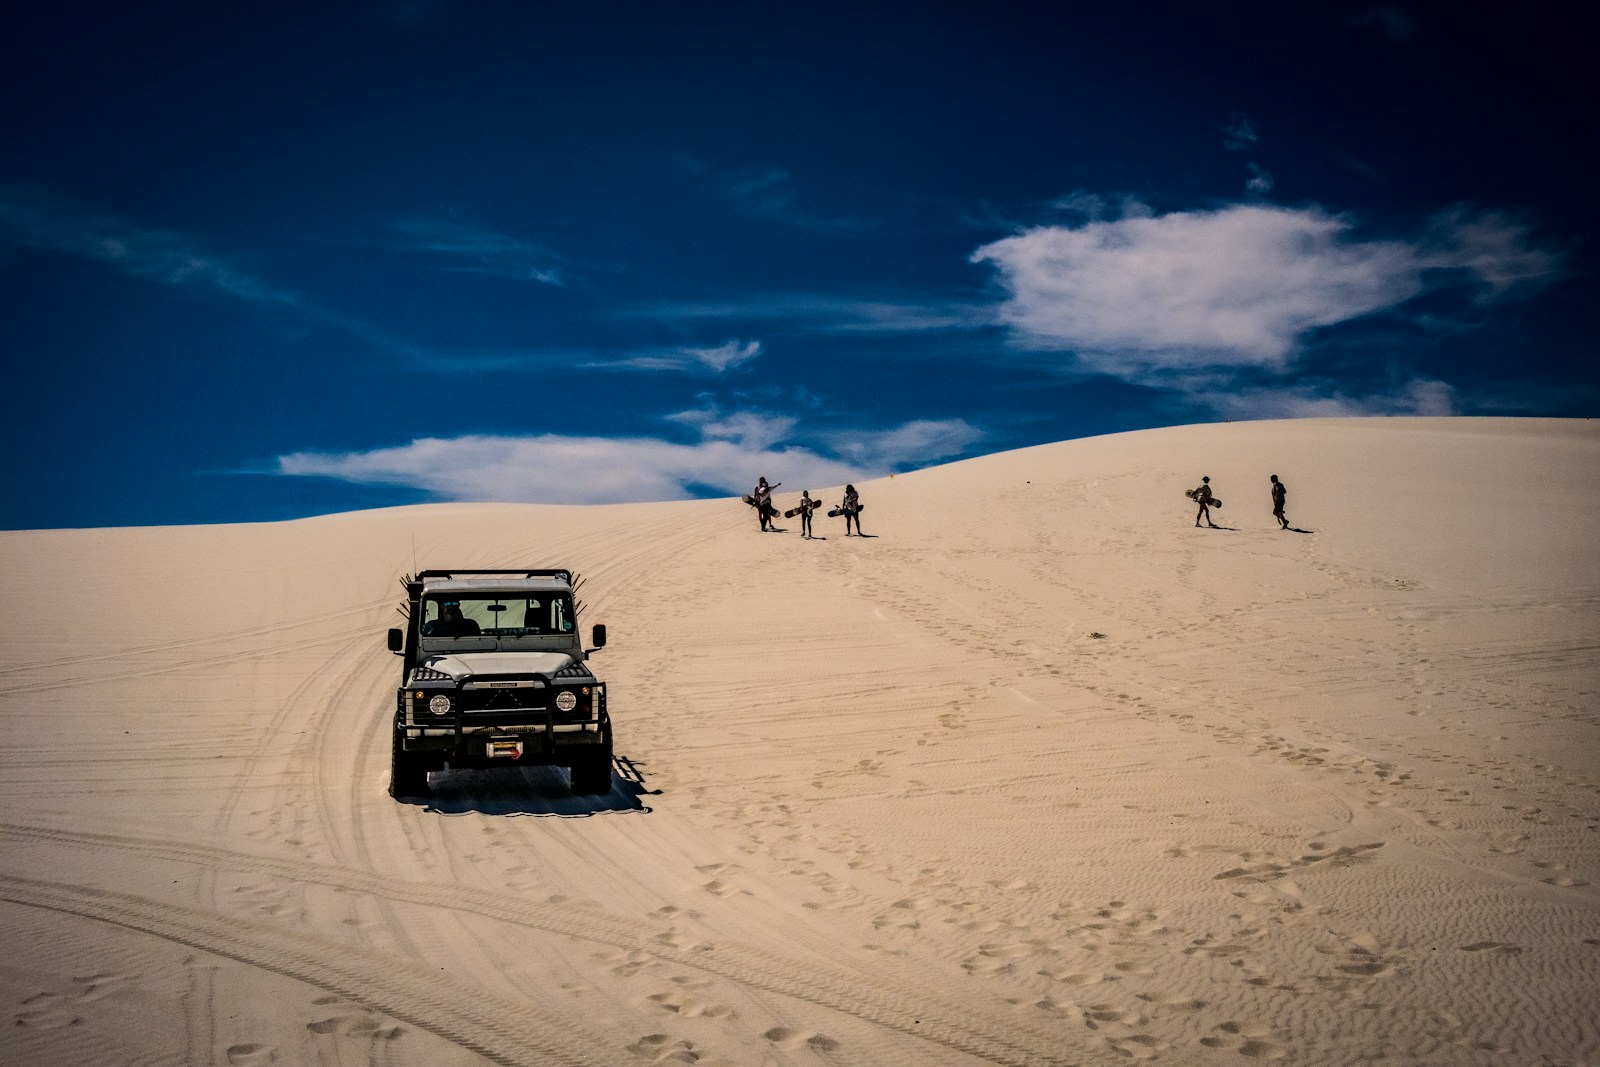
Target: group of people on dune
1208,500
767,512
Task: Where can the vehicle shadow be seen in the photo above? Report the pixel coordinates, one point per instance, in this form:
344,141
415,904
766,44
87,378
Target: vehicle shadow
542,791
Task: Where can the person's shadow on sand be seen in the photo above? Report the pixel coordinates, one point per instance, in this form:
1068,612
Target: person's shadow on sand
1296,529
534,791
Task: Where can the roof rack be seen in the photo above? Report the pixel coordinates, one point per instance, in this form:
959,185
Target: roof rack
562,573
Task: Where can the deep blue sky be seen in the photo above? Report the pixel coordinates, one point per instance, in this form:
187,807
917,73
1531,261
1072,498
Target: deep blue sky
260,261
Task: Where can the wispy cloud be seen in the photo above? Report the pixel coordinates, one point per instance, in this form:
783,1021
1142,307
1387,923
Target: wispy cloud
835,314
35,218
1420,396
1240,135
1236,287
925,440
1396,23
754,430
732,451
1260,182
685,359
762,192
466,247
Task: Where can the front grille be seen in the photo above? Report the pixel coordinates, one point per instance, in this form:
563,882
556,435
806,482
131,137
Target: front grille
503,699
501,718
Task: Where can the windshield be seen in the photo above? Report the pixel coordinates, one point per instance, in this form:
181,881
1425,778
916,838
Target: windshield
498,615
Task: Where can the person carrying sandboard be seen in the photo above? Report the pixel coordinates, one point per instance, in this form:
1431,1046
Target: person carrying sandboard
761,498
804,510
1203,496
850,507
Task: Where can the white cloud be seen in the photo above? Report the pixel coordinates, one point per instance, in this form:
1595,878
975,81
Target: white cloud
748,429
565,470
1260,181
1421,396
1236,287
924,440
733,451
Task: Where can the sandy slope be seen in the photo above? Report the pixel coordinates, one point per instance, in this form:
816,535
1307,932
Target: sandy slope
1038,773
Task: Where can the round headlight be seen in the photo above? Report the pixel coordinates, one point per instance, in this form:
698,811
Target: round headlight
566,700
439,705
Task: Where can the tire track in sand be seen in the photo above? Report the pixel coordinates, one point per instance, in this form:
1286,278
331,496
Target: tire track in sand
876,999
495,1028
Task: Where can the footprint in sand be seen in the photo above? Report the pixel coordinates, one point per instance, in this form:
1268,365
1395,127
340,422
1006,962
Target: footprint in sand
662,1048
1136,1046
1170,1000
1067,976
46,1011
251,1054
788,1039
362,1025
1247,1040
688,1007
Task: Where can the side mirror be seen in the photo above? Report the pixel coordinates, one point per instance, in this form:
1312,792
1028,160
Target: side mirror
599,635
396,641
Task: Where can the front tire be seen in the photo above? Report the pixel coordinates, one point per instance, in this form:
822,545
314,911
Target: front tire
408,773
591,771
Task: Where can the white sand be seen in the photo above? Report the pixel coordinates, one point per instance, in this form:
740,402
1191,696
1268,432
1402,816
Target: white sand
1329,797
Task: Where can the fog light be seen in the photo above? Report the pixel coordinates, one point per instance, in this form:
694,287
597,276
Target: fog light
439,705
566,700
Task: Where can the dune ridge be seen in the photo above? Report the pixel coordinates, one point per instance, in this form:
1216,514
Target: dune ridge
1035,773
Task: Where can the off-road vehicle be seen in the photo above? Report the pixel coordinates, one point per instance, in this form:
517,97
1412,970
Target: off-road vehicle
495,675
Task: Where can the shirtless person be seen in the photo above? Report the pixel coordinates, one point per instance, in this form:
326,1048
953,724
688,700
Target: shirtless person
1278,495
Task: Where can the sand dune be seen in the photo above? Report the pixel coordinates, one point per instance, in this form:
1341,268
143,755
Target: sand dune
1037,773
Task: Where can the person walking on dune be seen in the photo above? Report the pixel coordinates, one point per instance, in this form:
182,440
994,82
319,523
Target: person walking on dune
1203,497
1279,493
762,495
851,506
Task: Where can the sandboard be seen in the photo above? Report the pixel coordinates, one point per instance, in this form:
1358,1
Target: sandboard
812,506
1214,502
836,512
752,502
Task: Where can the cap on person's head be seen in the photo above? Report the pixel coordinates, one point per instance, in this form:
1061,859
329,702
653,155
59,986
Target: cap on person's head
1207,478
1274,477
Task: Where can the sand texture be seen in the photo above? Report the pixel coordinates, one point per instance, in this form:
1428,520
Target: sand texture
1036,773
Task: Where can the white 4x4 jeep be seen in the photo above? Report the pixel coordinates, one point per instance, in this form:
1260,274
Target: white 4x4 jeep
495,675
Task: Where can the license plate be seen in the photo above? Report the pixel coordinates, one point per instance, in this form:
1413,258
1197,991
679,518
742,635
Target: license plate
505,749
